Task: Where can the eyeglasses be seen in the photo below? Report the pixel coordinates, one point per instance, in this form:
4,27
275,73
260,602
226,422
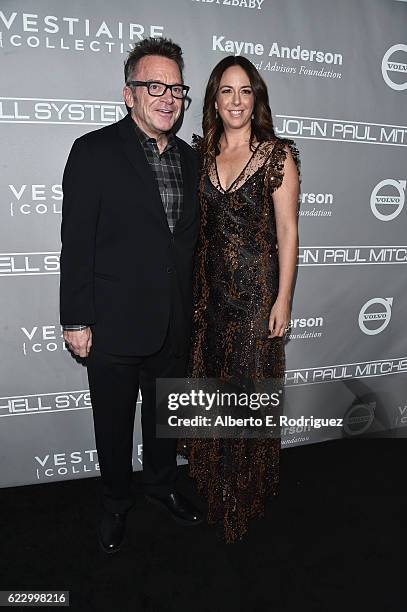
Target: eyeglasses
157,89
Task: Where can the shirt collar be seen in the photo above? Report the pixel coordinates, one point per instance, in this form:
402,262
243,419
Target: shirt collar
144,138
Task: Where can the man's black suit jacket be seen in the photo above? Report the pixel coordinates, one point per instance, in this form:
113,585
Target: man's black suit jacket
121,267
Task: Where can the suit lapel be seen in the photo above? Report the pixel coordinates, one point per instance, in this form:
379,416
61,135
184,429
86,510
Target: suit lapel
136,156
188,208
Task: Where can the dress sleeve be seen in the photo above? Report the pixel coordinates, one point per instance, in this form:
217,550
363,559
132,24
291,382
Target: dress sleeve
279,156
197,145
197,142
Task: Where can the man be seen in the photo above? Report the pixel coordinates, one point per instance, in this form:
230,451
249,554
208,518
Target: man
129,229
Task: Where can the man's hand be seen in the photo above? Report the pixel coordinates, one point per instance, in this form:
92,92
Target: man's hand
79,342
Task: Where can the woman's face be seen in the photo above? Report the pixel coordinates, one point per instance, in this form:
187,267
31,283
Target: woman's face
235,98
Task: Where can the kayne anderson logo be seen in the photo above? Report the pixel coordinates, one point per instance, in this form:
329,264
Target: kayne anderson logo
29,264
39,199
394,67
250,4
387,199
321,204
71,33
275,51
375,315
44,403
58,111
305,328
42,338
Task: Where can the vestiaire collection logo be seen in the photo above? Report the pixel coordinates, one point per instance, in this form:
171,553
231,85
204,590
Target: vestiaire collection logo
39,199
42,338
36,30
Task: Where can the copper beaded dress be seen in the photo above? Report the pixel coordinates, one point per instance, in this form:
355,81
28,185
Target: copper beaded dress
235,285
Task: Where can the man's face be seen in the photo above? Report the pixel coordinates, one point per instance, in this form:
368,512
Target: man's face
154,115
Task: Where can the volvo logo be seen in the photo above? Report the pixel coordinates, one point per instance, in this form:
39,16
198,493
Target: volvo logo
385,205
375,315
391,65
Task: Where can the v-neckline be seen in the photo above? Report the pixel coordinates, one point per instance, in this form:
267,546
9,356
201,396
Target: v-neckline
240,173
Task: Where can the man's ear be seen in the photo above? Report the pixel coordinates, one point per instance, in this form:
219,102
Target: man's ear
128,96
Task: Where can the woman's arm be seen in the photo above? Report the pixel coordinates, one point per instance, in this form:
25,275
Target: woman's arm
285,200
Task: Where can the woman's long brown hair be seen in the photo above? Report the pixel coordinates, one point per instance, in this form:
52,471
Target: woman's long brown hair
212,126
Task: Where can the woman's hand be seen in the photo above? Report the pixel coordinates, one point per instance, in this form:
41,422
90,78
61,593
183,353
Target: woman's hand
279,317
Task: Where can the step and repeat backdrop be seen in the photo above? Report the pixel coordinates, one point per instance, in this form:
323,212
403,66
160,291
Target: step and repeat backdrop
337,79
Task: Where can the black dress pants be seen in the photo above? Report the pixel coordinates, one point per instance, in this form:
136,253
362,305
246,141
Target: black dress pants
114,382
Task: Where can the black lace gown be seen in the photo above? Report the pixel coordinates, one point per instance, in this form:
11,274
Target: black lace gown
235,285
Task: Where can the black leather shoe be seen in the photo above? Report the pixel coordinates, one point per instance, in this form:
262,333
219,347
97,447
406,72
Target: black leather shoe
180,508
111,531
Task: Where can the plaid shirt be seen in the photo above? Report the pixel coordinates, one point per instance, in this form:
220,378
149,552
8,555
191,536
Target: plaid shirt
166,167
167,171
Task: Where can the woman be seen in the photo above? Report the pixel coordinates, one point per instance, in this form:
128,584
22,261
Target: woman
245,268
